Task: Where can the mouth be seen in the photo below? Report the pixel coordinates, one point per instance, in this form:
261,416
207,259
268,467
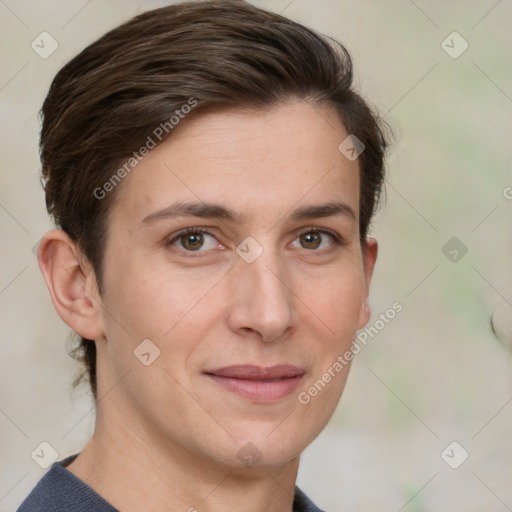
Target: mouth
258,384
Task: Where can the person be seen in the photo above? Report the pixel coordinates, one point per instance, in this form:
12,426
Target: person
212,175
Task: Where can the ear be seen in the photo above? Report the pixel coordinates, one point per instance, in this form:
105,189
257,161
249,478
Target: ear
71,283
370,250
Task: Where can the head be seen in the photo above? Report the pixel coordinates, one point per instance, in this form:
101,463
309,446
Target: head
241,112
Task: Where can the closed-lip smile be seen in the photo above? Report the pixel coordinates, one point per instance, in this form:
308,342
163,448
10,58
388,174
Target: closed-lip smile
256,383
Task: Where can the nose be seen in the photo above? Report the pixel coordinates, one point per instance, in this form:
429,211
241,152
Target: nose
262,300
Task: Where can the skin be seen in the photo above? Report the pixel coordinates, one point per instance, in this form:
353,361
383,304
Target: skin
166,436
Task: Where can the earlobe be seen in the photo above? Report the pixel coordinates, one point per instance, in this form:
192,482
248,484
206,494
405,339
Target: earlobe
71,283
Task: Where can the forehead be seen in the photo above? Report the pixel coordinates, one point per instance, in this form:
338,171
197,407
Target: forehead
245,160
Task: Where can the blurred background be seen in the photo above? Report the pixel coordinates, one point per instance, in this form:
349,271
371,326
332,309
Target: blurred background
425,422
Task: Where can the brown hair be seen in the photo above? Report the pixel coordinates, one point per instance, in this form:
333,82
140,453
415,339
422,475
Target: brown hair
103,104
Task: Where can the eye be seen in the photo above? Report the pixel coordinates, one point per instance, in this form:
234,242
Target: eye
192,240
313,238
195,240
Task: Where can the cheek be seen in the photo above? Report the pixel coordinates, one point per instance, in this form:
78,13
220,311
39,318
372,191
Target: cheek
174,314
335,301
150,302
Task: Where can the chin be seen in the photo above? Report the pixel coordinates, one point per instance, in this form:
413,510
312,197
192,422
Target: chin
269,448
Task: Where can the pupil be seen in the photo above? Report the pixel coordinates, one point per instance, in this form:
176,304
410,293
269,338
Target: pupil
312,238
195,240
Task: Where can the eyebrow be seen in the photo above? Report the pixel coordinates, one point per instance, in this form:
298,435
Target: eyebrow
207,210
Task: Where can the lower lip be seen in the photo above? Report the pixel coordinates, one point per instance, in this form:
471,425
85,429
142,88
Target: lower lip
260,390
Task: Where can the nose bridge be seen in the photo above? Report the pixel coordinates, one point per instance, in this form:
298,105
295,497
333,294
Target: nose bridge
263,298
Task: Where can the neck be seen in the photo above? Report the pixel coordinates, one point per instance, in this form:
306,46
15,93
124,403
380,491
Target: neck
135,469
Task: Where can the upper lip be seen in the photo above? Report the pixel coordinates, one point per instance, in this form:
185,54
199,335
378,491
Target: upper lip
252,372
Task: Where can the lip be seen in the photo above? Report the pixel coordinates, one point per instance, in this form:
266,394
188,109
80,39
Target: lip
258,384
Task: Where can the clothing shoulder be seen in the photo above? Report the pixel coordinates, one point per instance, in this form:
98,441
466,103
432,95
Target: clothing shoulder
59,490
301,503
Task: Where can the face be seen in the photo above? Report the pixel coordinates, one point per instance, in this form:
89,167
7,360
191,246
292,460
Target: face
252,304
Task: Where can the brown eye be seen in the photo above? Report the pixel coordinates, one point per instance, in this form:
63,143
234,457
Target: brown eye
319,240
311,240
192,241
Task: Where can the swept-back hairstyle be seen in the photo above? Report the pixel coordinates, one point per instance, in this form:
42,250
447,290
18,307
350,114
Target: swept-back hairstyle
103,105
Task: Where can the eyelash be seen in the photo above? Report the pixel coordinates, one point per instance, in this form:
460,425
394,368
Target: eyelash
339,241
